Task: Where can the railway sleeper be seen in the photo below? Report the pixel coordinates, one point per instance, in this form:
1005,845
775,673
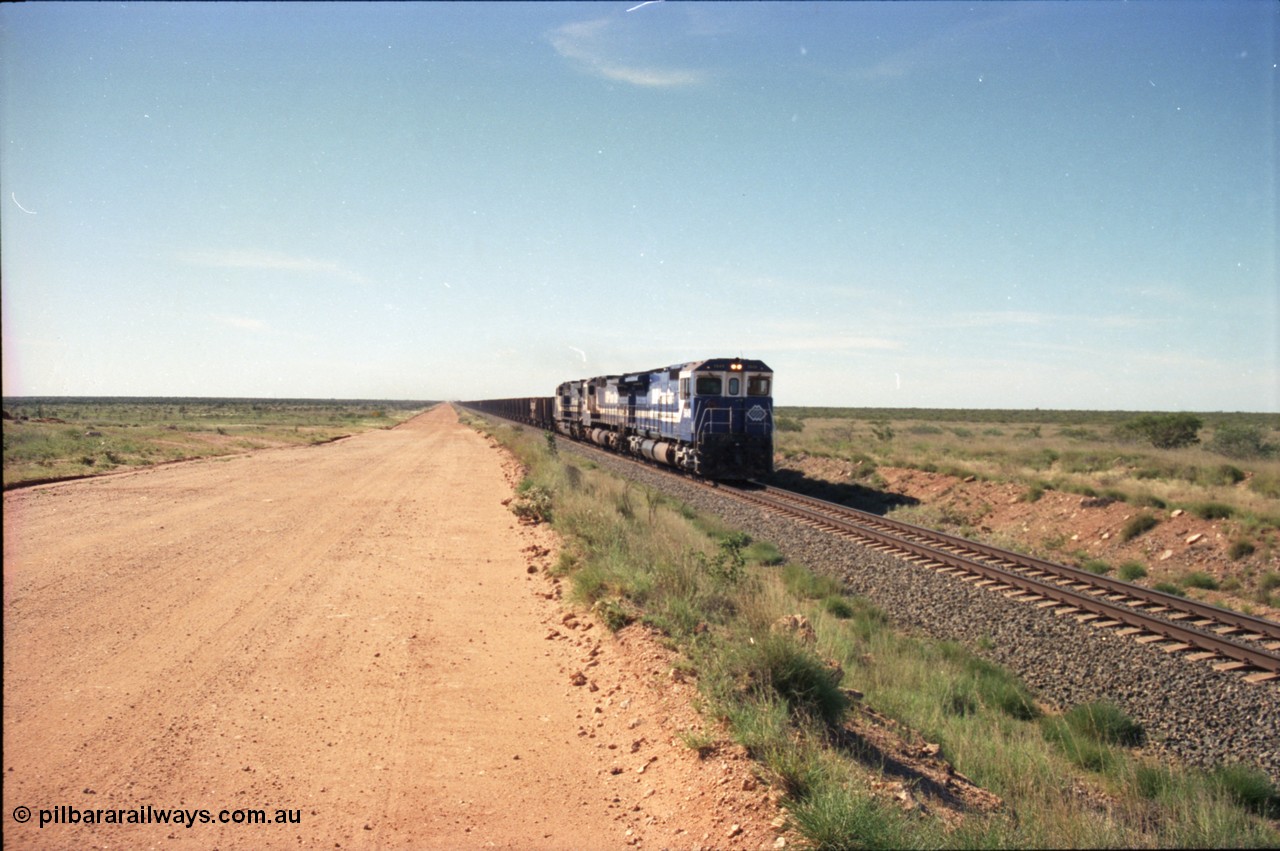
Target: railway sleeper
1230,666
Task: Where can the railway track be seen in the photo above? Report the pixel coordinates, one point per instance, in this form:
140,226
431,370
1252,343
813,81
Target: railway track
1227,640
1200,633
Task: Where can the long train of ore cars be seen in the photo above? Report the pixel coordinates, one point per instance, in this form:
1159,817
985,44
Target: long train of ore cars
713,418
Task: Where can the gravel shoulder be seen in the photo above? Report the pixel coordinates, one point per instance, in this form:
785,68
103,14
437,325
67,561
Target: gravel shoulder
359,632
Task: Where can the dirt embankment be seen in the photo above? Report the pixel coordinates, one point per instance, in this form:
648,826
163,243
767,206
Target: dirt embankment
1070,528
357,635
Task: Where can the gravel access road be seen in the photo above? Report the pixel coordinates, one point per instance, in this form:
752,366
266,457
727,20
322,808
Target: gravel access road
357,635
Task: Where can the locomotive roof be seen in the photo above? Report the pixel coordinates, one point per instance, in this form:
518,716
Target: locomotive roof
720,364
709,365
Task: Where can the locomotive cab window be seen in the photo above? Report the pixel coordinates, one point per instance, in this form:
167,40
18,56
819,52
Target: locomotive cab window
735,386
708,385
758,385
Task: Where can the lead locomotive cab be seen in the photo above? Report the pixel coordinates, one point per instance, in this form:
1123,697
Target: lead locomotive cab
727,406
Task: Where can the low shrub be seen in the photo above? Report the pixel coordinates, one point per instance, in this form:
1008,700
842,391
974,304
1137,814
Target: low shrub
781,423
1147,500
1199,579
763,552
1227,474
1163,431
838,607
532,503
1169,588
1212,511
776,665
1132,570
1137,525
1240,440
1240,548
1097,565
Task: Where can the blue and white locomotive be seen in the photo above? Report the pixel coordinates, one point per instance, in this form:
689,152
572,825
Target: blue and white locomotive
713,417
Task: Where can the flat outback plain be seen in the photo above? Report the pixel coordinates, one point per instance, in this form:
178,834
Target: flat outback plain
355,638
359,624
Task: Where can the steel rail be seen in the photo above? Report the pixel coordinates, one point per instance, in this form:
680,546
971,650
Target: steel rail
1239,620
1216,644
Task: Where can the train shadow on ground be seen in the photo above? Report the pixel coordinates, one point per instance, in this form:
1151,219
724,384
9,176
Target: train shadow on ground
843,493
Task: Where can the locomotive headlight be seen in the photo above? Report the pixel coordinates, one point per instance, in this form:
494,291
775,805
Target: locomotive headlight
735,367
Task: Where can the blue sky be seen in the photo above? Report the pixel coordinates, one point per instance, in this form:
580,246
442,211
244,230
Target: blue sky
999,205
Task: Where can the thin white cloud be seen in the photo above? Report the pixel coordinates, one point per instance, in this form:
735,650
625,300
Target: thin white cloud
986,319
244,323
590,45
1031,319
269,261
964,44
832,343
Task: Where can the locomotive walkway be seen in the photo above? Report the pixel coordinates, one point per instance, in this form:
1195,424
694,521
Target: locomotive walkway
349,634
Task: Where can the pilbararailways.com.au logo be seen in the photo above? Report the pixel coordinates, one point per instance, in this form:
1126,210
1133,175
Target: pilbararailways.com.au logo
147,814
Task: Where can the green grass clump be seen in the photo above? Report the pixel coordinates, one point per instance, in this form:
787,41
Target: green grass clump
1077,747
778,665
838,607
808,585
1137,525
1087,734
1106,723
1199,579
763,552
1132,570
1250,788
1240,548
992,686
1096,565
837,817
1170,588
1212,511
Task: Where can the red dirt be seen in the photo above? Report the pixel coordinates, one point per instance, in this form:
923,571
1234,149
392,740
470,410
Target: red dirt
1068,528
358,631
